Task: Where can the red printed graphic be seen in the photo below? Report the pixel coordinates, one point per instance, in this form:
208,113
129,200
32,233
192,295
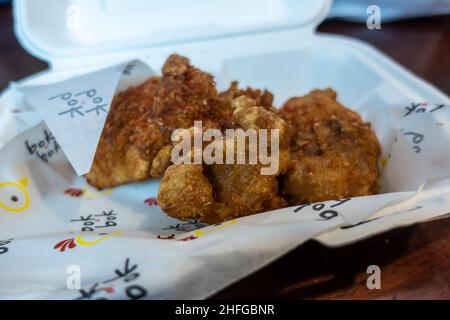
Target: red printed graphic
151,202
62,245
188,238
85,239
74,192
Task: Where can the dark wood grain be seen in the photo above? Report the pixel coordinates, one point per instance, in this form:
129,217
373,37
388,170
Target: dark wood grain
414,261
15,62
422,45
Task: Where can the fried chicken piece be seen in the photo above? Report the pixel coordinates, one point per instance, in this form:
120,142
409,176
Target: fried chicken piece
334,152
142,119
161,161
130,138
222,113
227,190
262,98
185,192
188,94
248,114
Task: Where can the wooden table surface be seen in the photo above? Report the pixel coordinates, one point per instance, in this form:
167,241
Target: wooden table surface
414,261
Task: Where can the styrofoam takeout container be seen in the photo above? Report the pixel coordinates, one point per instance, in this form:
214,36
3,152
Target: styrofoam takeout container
261,43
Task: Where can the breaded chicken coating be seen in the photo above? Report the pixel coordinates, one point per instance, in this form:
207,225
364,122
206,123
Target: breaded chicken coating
130,138
321,150
334,152
228,190
188,94
142,119
262,98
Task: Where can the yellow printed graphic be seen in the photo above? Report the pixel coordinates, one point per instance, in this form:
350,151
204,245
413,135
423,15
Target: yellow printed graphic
383,161
14,196
79,239
96,194
200,233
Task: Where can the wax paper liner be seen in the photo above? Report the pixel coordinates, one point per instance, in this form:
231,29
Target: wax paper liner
62,239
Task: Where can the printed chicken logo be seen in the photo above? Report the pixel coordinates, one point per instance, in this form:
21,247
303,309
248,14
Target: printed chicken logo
87,239
14,196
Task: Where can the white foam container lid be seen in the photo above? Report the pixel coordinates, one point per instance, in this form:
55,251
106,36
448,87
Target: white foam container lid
262,43
64,29
270,43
